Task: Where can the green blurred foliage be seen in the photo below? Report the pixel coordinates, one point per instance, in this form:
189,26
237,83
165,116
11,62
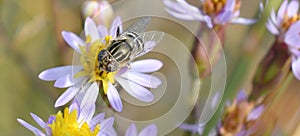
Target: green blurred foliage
30,42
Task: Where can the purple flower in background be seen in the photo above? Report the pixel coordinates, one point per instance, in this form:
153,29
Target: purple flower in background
83,81
292,39
286,26
150,130
73,121
212,12
240,116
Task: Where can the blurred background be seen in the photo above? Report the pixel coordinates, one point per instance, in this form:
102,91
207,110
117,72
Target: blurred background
31,41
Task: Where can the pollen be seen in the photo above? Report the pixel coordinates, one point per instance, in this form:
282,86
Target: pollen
67,125
213,7
288,21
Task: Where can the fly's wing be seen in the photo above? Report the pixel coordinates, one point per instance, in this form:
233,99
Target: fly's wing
150,39
140,25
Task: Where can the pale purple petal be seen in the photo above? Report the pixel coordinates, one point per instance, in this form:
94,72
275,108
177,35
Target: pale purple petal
51,119
107,123
114,26
146,66
241,96
65,81
90,29
109,132
244,21
271,27
136,90
150,130
282,10
114,98
223,18
254,114
67,96
216,100
274,18
97,120
292,8
75,106
90,95
38,120
102,31
208,21
30,127
58,72
131,131
292,36
143,79
183,16
180,6
295,51
230,4
296,68
73,40
189,127
87,112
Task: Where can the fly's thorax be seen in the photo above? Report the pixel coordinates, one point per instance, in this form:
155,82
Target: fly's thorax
125,47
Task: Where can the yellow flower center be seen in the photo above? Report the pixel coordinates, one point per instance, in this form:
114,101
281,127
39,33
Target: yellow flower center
213,7
89,60
67,125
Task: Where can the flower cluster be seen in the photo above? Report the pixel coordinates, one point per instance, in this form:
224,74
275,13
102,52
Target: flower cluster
212,12
285,25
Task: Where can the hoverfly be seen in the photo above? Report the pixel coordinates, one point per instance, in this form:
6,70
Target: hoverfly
127,46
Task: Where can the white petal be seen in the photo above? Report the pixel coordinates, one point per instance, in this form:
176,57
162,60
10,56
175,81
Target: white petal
282,10
143,79
58,72
271,27
292,8
73,40
67,96
38,120
102,31
136,90
87,113
150,130
131,130
90,29
114,98
114,26
90,95
30,127
145,66
244,21
296,68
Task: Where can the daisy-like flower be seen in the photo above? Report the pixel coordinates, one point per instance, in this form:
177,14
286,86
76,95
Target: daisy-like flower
285,25
212,12
86,79
73,122
240,117
150,130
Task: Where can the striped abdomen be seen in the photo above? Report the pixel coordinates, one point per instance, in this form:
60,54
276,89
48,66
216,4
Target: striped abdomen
125,47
